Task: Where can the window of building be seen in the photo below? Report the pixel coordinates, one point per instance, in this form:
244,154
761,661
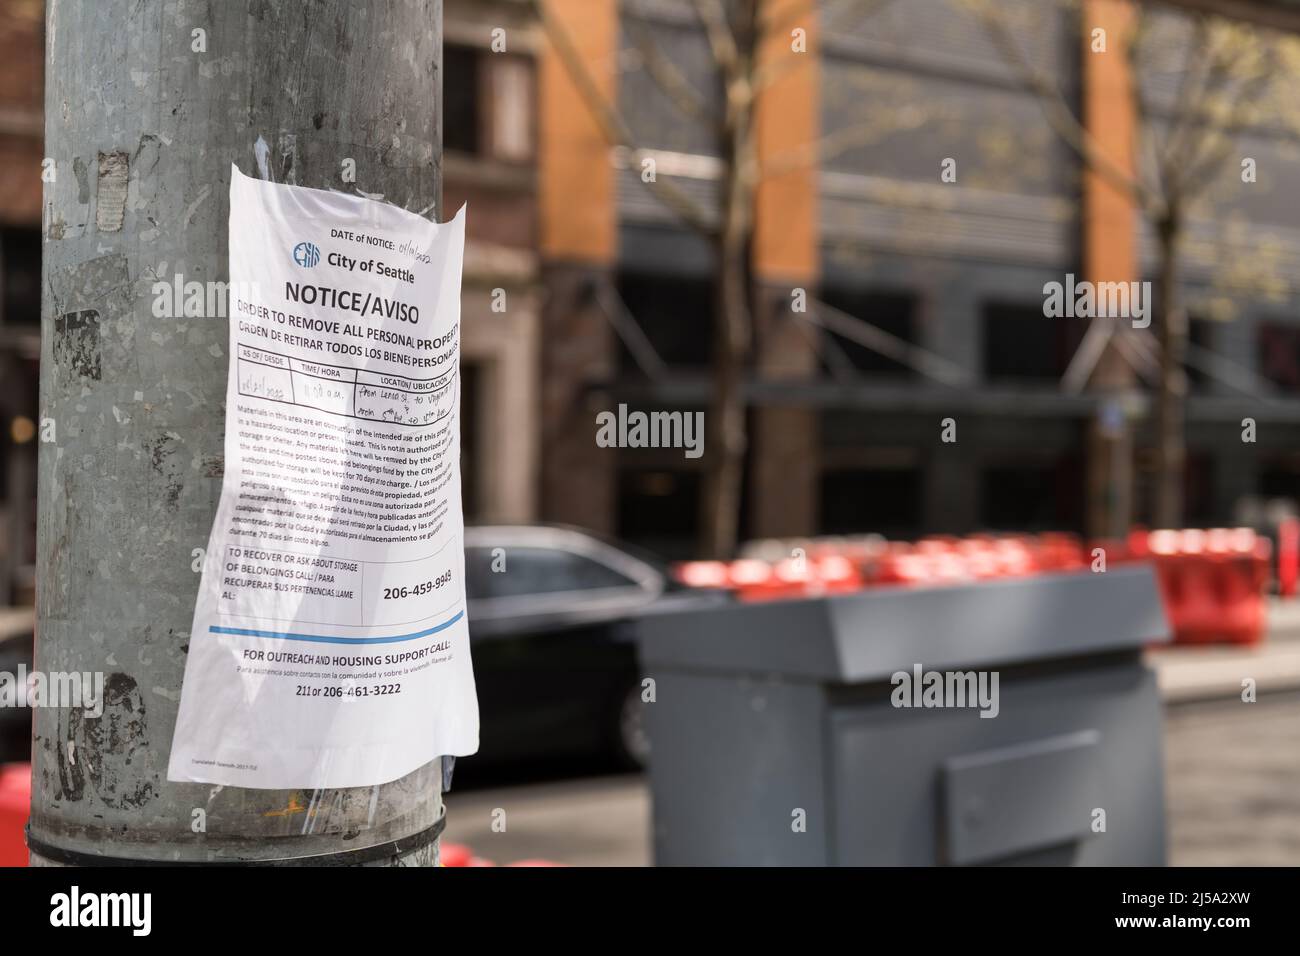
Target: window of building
674,312
659,510
20,276
1200,506
511,85
892,312
1280,479
871,501
462,100
487,103
1201,339
1032,496
1021,344
1279,355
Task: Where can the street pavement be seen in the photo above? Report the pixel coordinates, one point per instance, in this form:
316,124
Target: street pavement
1232,782
595,821
1232,774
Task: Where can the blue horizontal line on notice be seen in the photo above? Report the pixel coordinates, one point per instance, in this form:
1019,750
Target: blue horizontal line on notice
323,639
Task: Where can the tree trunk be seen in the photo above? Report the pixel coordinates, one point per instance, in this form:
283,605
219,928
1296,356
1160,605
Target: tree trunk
725,447
724,477
1171,452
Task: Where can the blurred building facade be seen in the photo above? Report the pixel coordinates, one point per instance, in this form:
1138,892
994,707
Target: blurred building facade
22,103
845,437
573,268
490,161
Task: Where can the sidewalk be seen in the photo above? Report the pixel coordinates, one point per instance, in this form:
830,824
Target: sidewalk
1188,673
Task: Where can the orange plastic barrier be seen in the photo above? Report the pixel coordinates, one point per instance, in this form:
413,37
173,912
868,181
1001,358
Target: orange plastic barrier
755,579
1288,556
457,855
1212,582
15,806
702,574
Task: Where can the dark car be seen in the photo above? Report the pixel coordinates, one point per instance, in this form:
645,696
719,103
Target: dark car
550,623
550,618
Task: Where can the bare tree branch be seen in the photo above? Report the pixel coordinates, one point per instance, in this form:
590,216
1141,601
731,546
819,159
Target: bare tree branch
842,140
1206,162
1086,356
630,331
1058,112
831,353
612,125
666,75
1217,366
1147,140
1146,365
930,364
722,39
1195,76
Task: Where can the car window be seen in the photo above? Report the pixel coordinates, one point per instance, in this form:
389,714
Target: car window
536,571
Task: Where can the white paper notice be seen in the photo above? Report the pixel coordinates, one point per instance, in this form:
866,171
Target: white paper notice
329,645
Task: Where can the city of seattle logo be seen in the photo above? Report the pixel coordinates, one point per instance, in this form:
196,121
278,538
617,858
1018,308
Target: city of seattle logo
306,254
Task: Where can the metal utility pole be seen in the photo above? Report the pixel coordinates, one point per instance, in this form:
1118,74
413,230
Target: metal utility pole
147,104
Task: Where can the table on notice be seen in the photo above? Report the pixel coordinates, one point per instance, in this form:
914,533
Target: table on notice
354,392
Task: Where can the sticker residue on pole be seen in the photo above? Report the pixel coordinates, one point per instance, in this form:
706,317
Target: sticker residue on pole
329,646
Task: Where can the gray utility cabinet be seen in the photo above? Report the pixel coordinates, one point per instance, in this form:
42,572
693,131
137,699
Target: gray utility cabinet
769,713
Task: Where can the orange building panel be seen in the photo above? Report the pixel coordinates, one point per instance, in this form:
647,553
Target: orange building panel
576,178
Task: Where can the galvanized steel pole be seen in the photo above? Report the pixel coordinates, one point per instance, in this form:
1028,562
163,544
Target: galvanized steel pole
148,102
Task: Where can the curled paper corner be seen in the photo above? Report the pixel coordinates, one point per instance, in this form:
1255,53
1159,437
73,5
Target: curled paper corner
261,151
